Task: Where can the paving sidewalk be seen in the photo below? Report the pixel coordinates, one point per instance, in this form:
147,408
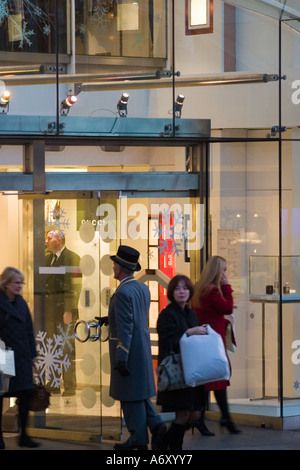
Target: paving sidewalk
251,438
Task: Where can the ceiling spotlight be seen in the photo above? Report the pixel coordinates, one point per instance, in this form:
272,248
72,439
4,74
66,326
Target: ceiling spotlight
4,101
67,104
122,105
178,105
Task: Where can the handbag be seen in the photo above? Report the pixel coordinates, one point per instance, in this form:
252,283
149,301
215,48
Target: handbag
40,398
230,338
170,373
204,358
4,384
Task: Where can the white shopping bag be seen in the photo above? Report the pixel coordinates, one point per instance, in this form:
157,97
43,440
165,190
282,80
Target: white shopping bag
7,367
204,358
7,361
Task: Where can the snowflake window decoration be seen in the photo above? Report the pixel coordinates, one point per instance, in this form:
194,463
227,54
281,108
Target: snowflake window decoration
34,15
3,10
68,337
51,360
24,33
170,232
58,222
100,18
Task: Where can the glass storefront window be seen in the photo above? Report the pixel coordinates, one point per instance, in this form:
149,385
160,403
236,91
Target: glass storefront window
244,203
30,26
290,280
101,28
251,182
166,231
121,29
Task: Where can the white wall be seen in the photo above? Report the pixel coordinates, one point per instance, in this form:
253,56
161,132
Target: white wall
230,106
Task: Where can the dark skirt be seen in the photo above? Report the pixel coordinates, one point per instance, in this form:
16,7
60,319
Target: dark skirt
192,399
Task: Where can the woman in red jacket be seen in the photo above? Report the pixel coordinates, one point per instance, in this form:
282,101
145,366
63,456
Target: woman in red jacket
212,301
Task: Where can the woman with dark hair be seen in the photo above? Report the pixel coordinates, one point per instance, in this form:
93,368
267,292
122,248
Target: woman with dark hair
175,320
16,331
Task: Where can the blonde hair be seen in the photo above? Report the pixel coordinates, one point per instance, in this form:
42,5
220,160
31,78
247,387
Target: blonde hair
210,276
8,275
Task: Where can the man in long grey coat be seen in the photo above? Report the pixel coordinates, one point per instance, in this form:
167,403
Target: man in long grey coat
132,379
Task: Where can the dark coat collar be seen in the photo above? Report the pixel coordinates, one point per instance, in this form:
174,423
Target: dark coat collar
175,306
14,308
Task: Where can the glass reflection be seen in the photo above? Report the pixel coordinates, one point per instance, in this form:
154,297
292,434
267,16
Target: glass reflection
29,26
121,29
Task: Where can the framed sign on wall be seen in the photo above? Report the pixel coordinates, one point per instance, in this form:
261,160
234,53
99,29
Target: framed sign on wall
198,16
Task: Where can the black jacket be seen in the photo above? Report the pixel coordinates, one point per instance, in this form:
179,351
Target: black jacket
172,323
16,330
63,290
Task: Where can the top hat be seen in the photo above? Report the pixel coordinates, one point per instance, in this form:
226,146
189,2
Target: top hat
127,257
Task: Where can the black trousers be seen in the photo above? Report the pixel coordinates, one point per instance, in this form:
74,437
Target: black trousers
23,405
221,398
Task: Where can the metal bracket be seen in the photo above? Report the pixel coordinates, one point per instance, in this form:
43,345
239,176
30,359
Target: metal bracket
275,130
52,129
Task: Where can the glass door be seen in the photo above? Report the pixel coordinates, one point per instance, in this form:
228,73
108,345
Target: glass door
74,287
88,227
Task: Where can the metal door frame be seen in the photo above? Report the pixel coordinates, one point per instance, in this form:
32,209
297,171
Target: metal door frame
34,183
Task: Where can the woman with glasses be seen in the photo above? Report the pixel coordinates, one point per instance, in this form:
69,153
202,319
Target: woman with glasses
16,330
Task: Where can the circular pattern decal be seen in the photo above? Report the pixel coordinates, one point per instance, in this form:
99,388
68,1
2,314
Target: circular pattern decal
107,400
88,364
106,295
105,363
87,232
87,265
87,298
106,265
88,397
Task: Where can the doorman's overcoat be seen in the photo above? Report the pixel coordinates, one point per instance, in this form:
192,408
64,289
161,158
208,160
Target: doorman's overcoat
130,342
